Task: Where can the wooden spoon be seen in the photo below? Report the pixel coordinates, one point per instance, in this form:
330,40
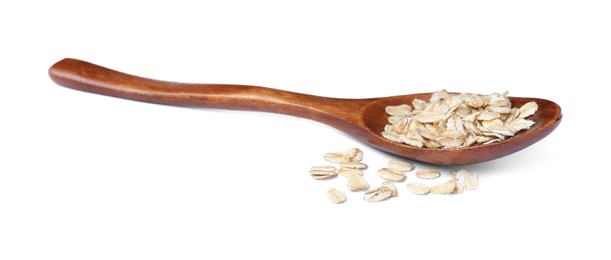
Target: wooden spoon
361,118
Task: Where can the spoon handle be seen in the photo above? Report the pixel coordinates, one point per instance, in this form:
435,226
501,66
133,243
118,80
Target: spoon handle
89,77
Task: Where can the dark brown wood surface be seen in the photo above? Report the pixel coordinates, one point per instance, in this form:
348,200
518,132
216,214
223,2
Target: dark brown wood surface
362,118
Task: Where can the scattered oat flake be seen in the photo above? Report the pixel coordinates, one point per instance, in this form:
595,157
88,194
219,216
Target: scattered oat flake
391,186
357,182
354,165
444,188
336,196
401,166
326,168
390,174
377,194
459,188
468,179
336,158
343,171
354,154
323,172
418,188
428,174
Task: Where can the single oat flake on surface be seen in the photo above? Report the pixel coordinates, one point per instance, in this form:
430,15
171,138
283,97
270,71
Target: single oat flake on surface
357,182
391,174
444,188
401,166
377,194
468,180
336,196
418,188
354,165
391,186
323,172
343,171
428,174
347,156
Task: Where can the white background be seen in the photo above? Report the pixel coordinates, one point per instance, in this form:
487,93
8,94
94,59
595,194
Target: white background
84,176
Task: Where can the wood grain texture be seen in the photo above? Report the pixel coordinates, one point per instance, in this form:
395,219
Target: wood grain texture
362,118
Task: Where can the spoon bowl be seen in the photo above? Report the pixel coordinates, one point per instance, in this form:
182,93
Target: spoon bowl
362,118
546,120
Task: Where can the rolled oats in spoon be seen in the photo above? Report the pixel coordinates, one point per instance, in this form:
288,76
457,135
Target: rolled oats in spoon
457,120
